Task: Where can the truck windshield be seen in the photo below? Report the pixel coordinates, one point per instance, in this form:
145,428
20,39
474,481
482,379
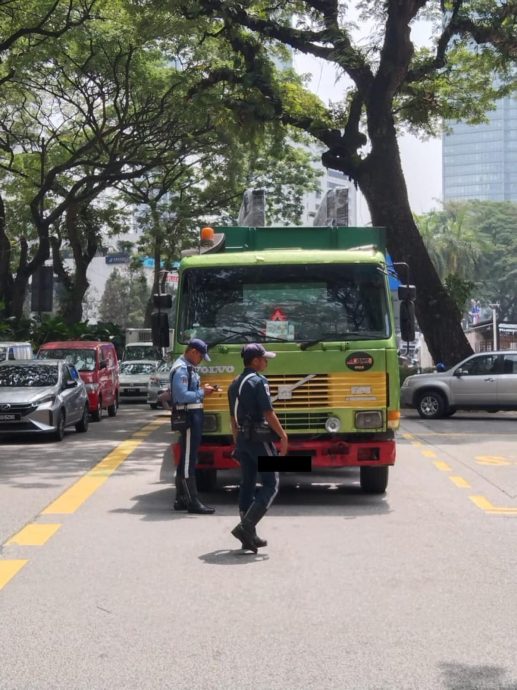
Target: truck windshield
294,302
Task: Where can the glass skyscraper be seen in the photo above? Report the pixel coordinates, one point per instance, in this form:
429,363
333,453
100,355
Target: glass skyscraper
480,161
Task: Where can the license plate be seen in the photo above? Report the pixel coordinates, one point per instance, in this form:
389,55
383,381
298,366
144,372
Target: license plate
8,417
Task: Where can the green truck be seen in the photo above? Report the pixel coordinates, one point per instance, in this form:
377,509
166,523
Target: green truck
319,297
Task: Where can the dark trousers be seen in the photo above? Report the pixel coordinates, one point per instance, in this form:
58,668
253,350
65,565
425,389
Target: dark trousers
190,441
248,454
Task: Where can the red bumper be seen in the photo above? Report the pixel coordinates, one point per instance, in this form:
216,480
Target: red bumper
322,453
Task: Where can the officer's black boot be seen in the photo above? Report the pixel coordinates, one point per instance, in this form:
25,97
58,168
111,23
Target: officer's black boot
180,502
194,505
258,541
245,531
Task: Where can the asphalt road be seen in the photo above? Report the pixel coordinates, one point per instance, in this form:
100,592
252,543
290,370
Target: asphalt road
103,586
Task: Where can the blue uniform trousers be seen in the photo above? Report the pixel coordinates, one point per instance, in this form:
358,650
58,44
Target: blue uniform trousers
247,454
190,441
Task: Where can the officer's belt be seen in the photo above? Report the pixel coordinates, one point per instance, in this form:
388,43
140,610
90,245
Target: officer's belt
189,406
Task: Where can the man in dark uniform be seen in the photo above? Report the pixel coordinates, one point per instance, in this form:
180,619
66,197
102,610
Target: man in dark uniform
187,395
250,404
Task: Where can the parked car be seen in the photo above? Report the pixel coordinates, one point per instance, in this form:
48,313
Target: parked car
158,384
139,351
15,350
134,378
42,397
485,381
97,364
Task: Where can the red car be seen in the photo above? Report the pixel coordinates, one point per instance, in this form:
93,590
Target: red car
97,364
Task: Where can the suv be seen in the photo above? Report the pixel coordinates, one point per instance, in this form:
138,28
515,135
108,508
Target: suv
486,381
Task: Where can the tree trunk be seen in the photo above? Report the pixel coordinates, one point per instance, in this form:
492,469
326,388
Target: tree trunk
6,277
381,180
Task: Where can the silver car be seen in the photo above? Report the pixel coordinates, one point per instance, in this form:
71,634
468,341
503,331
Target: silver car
158,384
134,378
485,381
42,396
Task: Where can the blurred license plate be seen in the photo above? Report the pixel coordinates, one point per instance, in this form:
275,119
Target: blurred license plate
8,417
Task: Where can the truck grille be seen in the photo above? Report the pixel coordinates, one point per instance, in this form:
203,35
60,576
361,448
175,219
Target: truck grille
293,421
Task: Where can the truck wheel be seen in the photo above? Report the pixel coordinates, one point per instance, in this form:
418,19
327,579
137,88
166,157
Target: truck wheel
431,405
374,480
97,414
206,479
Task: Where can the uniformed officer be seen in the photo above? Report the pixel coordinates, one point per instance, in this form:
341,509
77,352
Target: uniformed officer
250,403
187,395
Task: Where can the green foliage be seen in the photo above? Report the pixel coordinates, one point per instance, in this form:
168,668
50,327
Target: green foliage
124,299
459,289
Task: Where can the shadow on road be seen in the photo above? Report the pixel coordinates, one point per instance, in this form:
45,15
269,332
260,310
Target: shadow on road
232,557
464,677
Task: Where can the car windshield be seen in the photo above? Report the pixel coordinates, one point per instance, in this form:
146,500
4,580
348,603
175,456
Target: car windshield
32,376
141,352
294,302
133,368
83,360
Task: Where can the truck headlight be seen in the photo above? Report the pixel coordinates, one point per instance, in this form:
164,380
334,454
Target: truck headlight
210,422
333,425
372,419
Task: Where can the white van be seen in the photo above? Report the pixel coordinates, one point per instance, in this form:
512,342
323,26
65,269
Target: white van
10,351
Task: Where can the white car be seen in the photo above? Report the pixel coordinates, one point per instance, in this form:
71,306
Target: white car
158,385
134,378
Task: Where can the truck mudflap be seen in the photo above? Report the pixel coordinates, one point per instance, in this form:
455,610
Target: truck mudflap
323,454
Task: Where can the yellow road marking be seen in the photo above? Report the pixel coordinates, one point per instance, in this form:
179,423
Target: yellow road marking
8,570
484,504
417,444
407,435
428,453
34,534
443,466
460,482
491,460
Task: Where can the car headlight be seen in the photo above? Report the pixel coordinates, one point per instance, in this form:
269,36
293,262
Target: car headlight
372,419
92,387
333,425
46,402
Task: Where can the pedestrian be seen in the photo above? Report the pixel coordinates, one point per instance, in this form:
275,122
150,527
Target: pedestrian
187,397
250,409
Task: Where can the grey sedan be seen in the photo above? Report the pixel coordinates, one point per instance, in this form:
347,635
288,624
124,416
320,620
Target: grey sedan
42,396
158,384
485,381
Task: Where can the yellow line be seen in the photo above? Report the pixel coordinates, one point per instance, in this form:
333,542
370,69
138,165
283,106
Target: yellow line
77,494
460,482
428,453
407,435
8,570
484,504
443,466
481,502
34,534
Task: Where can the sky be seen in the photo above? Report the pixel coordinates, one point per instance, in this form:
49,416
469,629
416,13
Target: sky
421,160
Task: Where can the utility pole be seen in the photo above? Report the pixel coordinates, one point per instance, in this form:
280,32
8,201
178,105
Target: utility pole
495,333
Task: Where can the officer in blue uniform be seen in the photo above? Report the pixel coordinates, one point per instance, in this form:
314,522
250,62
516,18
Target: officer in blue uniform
250,404
187,395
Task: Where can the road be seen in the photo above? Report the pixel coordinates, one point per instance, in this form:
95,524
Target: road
103,586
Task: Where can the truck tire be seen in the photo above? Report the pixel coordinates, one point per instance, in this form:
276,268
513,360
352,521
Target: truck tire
374,480
206,479
431,404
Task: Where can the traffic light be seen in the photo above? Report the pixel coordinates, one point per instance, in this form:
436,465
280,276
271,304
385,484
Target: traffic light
42,289
162,301
160,329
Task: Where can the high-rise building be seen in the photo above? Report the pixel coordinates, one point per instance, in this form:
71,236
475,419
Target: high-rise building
480,161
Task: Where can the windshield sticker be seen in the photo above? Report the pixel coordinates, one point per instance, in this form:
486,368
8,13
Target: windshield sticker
283,330
278,315
359,361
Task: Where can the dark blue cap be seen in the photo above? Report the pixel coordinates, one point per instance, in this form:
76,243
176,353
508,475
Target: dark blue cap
200,346
256,350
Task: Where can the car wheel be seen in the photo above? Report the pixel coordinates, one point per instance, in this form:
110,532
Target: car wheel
374,480
97,415
450,412
82,425
59,433
431,405
112,409
153,406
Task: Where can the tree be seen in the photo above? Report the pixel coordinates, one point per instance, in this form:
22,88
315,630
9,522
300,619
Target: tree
391,86
124,299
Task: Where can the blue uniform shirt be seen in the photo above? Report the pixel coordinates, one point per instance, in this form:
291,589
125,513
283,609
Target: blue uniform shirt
254,398
181,393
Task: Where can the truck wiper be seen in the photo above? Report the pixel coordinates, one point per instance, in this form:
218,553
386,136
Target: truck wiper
231,334
351,335
321,338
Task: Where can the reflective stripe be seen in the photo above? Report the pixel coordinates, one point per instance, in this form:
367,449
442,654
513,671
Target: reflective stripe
187,454
277,484
236,406
190,406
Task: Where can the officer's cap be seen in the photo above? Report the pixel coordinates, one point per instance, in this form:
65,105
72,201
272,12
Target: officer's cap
255,350
200,346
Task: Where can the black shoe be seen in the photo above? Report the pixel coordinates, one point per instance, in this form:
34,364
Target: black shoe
260,543
180,503
246,538
195,506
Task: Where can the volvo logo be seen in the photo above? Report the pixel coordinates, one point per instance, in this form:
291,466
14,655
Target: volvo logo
7,406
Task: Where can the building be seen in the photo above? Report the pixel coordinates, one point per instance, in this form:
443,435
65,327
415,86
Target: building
480,161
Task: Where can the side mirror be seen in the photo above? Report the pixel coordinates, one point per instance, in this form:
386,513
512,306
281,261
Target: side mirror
103,364
407,320
460,372
71,383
